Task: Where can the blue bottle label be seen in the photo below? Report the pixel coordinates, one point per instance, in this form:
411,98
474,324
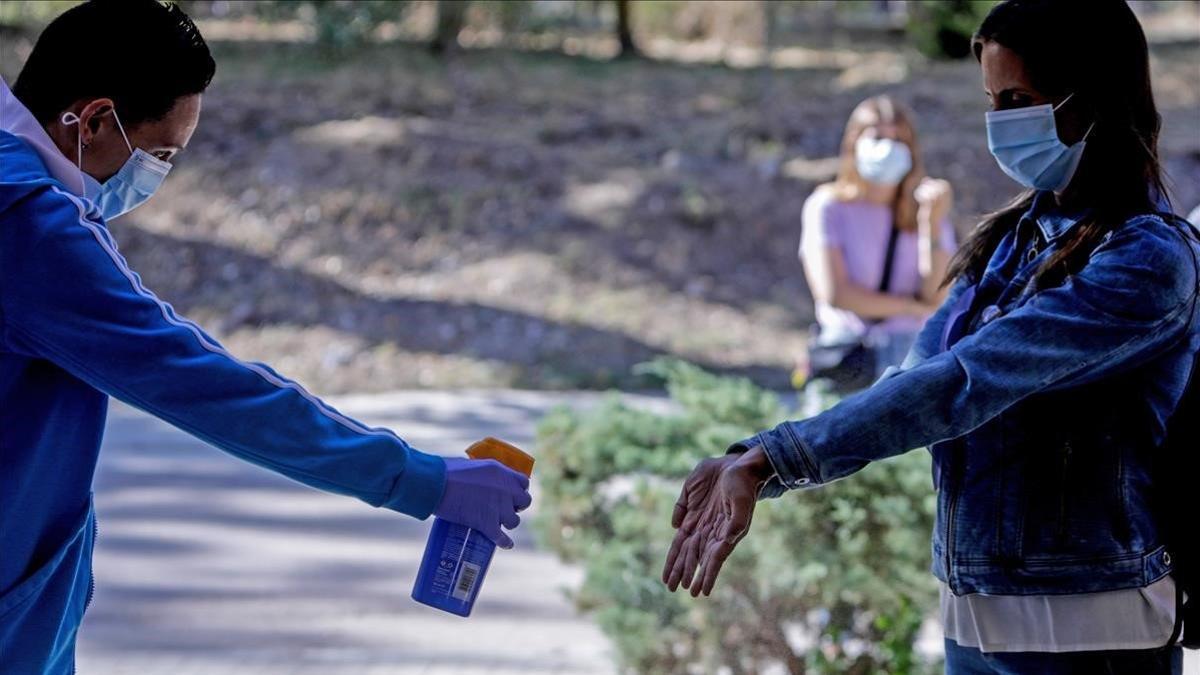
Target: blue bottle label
455,562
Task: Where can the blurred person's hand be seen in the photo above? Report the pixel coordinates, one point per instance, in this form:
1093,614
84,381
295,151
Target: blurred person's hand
712,515
934,197
484,495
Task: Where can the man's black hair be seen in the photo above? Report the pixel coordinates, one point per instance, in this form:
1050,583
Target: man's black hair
143,54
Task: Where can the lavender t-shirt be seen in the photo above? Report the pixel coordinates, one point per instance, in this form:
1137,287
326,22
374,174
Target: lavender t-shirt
860,231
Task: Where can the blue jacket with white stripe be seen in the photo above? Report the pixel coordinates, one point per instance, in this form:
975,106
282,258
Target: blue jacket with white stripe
77,326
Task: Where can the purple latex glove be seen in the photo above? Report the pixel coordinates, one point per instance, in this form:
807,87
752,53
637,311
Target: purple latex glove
483,494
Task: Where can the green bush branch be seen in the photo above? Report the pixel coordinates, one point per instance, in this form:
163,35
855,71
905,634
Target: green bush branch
833,580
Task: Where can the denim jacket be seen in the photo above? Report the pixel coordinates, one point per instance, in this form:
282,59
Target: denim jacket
1042,408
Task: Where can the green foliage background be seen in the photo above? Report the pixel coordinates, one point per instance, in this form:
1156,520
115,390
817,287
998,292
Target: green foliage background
833,580
943,28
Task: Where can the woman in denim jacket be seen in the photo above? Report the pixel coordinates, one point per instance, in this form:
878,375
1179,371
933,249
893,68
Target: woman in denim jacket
1042,385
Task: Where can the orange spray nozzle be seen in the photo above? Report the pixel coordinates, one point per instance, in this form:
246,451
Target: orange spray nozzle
508,455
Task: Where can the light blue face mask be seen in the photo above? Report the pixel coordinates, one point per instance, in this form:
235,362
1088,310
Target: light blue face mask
1025,144
130,186
882,160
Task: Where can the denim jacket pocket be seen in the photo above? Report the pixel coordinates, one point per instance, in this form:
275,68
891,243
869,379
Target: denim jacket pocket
1073,502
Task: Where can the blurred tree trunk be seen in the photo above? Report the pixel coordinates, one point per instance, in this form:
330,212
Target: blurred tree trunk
771,114
450,14
624,30
770,16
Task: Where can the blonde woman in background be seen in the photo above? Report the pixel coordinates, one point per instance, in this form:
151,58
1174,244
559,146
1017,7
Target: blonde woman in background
875,245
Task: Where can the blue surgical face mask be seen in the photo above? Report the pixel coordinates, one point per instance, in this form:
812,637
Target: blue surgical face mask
130,186
1025,144
882,160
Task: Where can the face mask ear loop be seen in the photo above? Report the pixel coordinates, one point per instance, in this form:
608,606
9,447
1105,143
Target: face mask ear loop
69,118
122,130
1063,102
1090,126
1088,132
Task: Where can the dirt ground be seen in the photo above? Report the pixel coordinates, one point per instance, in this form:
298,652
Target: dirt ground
388,220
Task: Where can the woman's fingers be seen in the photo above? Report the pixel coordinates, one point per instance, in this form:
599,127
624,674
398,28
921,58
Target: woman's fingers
692,492
738,517
706,530
931,191
737,523
678,517
672,556
730,524
695,518
691,558
681,509
714,560
686,548
678,563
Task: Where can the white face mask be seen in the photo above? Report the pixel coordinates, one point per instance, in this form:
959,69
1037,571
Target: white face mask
130,186
882,160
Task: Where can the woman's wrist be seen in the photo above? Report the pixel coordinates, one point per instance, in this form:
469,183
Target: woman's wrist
756,464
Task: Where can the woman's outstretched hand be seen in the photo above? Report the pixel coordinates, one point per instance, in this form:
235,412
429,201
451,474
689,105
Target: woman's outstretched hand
712,515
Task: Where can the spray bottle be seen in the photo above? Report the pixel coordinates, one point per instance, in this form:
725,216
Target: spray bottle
456,556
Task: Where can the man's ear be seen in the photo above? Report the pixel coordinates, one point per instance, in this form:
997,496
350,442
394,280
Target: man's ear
93,116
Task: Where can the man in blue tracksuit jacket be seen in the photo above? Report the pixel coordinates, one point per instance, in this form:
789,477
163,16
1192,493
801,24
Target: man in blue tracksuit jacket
110,92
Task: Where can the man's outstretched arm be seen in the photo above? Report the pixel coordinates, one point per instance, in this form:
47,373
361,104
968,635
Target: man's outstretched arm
71,298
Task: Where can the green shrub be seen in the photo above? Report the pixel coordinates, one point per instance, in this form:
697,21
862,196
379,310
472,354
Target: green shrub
339,25
833,580
943,28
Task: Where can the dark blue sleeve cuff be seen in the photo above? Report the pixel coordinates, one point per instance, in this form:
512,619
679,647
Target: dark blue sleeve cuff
418,490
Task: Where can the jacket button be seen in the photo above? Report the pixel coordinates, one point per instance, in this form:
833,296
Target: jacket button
989,313
1166,558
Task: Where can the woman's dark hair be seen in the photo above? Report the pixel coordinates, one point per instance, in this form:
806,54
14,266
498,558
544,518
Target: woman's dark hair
1097,51
142,54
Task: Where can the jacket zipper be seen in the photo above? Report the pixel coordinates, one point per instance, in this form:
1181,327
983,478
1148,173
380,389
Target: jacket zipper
950,508
91,573
91,579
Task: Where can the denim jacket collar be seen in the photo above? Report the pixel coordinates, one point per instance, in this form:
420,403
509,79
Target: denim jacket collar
1055,222
1052,220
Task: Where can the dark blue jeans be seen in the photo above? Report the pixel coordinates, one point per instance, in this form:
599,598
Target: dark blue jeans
968,661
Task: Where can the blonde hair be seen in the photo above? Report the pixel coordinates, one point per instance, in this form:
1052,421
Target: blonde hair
849,186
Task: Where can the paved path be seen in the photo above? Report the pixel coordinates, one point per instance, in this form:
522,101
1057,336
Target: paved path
206,564
209,565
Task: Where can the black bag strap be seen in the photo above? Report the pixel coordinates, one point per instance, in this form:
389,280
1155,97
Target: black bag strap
889,260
